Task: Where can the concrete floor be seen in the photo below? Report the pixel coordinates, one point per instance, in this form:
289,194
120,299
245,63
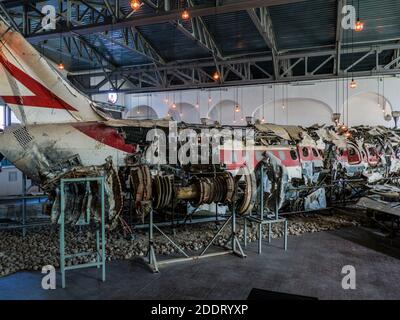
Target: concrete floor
311,267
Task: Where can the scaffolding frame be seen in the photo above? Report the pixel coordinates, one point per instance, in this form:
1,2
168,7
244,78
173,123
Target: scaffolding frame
100,243
235,247
261,219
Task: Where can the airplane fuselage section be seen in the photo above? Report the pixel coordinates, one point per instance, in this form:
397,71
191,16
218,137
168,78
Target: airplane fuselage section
37,150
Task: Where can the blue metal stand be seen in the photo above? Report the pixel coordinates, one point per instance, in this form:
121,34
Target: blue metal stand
261,219
100,244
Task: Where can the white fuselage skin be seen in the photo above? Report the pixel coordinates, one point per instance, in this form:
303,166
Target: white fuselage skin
42,147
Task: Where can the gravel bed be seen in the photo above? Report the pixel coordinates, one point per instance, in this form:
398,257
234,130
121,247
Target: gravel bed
40,247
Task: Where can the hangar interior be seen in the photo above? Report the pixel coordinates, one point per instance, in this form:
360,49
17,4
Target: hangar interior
311,87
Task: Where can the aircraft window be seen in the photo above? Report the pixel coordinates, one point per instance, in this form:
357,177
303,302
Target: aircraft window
234,156
372,151
353,156
282,155
305,152
315,153
12,176
293,154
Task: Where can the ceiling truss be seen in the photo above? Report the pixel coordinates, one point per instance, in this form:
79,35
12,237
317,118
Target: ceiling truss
246,71
85,25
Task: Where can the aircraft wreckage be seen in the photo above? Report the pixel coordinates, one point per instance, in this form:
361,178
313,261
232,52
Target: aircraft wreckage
302,166
64,134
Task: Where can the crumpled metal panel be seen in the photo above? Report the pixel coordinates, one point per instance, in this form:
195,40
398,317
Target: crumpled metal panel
315,201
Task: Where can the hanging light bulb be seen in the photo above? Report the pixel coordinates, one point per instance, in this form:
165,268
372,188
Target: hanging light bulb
263,119
237,108
185,15
173,106
353,84
135,5
283,106
216,76
347,134
61,66
209,99
197,105
359,26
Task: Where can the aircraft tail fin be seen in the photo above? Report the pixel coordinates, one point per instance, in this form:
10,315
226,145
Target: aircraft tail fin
33,88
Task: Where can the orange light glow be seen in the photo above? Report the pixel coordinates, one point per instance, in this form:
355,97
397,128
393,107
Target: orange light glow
173,106
359,26
237,108
216,76
61,66
185,15
135,5
353,84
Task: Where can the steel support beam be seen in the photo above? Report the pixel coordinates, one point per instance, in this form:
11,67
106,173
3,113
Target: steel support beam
200,33
159,17
89,11
263,23
339,36
190,74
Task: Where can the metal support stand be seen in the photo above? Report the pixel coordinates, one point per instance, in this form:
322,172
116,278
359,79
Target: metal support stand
260,219
100,243
23,205
235,247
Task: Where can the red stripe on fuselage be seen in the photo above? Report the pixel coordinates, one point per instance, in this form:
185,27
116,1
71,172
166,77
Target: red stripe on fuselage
43,97
106,135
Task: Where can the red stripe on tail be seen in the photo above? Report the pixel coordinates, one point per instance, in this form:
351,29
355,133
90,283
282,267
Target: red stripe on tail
43,97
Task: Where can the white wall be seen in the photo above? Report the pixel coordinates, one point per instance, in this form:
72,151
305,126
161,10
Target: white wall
304,103
295,111
12,188
1,117
371,106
